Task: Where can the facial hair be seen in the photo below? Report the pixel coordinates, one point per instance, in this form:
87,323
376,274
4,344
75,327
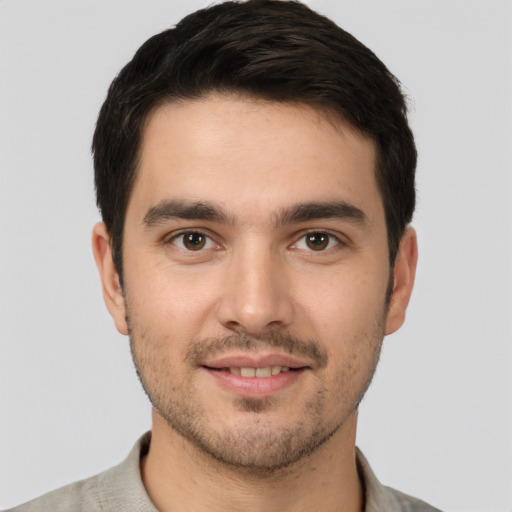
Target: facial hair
255,444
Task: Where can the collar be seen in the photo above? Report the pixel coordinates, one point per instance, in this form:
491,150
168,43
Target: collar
121,487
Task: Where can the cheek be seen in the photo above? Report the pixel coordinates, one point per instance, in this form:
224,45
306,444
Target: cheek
345,305
170,304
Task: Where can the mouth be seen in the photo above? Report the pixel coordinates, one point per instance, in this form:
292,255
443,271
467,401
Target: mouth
256,377
249,372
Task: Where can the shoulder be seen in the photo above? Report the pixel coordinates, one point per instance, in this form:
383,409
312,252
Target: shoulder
78,496
408,503
380,498
119,488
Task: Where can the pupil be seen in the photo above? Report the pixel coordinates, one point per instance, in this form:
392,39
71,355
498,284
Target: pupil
194,241
318,241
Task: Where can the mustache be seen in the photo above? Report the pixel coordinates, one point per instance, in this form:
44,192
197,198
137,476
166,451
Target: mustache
200,350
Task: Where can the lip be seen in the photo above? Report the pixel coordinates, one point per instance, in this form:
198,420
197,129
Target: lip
255,361
255,387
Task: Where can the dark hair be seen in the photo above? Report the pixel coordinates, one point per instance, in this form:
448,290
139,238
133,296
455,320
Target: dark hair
271,49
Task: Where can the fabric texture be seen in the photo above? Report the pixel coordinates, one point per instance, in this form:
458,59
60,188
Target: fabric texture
121,489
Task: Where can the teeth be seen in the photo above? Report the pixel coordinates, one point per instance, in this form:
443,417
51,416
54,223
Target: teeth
248,372
263,372
259,372
276,370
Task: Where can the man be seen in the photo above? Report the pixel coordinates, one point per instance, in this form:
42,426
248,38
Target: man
255,174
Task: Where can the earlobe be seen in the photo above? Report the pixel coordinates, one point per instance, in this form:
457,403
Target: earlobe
403,275
112,291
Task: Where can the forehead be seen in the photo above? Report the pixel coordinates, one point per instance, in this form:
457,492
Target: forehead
250,154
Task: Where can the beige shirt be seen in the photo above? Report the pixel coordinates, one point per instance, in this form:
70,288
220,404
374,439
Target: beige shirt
121,489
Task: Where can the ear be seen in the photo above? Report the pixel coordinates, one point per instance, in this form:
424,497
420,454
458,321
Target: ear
403,280
112,291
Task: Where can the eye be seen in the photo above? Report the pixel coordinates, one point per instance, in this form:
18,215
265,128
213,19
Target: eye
192,241
317,241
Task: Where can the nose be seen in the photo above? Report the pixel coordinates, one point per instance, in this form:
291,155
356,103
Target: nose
256,296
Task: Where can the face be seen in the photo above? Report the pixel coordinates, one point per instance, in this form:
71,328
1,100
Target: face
255,276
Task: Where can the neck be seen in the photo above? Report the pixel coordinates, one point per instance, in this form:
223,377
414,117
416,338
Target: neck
178,476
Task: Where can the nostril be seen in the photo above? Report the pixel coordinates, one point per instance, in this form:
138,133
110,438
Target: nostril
234,326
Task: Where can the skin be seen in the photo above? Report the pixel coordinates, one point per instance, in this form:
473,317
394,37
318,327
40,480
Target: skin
258,288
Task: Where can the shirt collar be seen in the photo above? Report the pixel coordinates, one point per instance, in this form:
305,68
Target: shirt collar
121,487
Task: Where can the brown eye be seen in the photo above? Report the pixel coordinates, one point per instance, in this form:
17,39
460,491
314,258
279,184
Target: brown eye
317,241
194,241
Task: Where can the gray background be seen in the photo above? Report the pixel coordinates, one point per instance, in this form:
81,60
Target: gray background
437,421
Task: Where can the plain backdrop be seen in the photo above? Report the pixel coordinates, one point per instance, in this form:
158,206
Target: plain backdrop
437,422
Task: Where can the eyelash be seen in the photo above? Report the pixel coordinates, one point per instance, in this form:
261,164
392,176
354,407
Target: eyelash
209,243
330,240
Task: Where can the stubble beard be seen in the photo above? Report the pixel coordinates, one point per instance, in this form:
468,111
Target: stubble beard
256,445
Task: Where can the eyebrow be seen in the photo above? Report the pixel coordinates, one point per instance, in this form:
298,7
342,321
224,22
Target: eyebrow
178,209
302,212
